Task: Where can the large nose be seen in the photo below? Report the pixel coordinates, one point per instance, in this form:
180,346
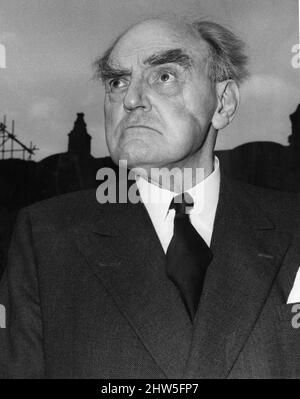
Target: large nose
136,97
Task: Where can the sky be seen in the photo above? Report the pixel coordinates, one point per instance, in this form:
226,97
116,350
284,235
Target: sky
51,45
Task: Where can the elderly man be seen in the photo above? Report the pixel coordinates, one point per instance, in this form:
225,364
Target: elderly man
193,284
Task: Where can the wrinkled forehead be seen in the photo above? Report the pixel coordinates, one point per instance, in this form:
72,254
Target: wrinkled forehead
151,37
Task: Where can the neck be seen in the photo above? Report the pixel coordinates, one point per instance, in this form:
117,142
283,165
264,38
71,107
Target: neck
183,175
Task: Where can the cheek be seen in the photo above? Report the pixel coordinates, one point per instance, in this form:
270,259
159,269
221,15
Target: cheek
113,112
197,109
200,102
180,119
187,117
111,122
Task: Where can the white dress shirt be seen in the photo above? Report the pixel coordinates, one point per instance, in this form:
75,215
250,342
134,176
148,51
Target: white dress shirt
205,196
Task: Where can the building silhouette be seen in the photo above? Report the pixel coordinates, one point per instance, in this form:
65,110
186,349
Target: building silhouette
69,171
79,139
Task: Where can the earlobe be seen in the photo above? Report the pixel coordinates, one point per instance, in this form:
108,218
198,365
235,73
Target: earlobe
228,101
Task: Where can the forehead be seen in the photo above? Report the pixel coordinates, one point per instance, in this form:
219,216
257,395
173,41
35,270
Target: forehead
151,37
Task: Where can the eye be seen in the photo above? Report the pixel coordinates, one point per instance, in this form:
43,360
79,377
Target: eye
117,83
166,77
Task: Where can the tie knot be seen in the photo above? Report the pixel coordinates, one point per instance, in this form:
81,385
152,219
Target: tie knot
182,203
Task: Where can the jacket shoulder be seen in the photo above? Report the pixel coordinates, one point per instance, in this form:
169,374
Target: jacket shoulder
279,206
64,210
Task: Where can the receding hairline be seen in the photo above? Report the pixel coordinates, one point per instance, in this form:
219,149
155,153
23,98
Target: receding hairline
179,28
220,47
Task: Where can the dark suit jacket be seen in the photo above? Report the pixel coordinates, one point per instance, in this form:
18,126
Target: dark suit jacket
87,296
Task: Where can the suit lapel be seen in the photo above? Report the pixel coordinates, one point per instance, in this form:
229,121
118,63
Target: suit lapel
247,255
126,255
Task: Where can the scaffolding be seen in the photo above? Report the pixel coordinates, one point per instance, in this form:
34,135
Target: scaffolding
10,144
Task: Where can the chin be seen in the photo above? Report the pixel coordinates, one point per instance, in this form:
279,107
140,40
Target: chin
135,162
135,154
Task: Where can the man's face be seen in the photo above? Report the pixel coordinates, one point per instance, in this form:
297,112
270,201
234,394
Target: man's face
159,101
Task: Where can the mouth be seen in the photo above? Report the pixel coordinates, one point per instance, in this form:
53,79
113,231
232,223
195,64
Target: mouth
142,127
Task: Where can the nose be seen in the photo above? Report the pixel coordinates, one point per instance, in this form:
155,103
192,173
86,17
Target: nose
136,97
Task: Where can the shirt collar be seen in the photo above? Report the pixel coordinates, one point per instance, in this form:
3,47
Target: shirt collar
205,196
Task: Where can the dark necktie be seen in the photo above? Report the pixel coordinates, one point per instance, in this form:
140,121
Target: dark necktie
188,255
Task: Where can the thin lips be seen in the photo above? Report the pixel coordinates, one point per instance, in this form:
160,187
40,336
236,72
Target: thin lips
142,126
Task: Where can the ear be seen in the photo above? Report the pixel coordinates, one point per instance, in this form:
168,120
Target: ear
228,101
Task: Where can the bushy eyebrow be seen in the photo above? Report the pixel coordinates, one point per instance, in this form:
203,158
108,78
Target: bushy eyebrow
109,72
174,56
